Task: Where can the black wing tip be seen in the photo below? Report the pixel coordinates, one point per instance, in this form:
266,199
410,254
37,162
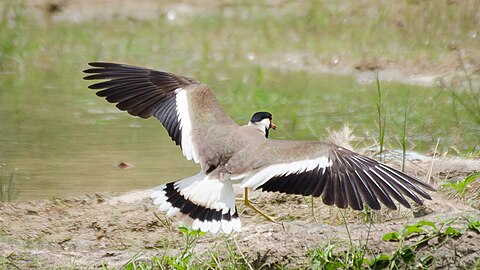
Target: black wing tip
427,186
426,196
96,86
93,69
103,64
97,67
419,183
90,77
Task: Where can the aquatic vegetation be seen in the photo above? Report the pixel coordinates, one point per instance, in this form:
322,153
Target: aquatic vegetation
8,190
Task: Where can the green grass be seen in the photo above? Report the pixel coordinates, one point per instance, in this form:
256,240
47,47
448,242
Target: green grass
474,223
12,43
8,191
463,189
381,114
413,247
421,30
471,100
325,257
7,262
223,254
467,97
403,138
407,255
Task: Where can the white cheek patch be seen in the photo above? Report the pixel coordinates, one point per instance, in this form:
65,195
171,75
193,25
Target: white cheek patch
265,123
262,125
183,113
284,169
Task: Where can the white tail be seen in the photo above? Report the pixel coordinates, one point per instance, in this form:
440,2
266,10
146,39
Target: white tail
210,203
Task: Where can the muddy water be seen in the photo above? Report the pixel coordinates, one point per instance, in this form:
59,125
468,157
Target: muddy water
63,140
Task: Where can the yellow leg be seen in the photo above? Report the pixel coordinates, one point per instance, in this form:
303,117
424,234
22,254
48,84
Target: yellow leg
249,204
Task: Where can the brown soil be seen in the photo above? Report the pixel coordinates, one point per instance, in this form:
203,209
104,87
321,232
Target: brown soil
87,231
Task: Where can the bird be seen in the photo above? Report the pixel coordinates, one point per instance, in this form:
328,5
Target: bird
231,154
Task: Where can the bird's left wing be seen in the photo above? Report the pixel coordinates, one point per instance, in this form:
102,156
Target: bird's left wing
186,108
340,176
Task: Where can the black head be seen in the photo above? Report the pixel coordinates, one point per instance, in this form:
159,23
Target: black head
259,116
258,119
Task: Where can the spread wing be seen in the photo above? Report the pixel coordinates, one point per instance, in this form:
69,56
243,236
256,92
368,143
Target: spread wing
340,176
185,107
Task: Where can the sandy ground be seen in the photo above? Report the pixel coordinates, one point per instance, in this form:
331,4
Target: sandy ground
89,230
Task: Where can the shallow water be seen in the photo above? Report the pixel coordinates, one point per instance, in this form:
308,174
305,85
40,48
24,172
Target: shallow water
63,140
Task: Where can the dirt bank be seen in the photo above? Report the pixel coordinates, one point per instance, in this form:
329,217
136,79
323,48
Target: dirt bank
90,230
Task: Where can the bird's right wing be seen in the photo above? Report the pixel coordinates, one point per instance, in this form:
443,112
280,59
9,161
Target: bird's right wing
340,176
186,108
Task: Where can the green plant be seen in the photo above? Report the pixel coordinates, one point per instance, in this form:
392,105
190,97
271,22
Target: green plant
474,223
182,261
473,152
460,186
8,192
7,262
404,138
13,41
233,260
310,202
190,238
325,258
405,254
470,101
381,115
221,255
351,258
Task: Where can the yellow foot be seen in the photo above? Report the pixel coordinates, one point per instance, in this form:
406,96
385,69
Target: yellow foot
249,204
